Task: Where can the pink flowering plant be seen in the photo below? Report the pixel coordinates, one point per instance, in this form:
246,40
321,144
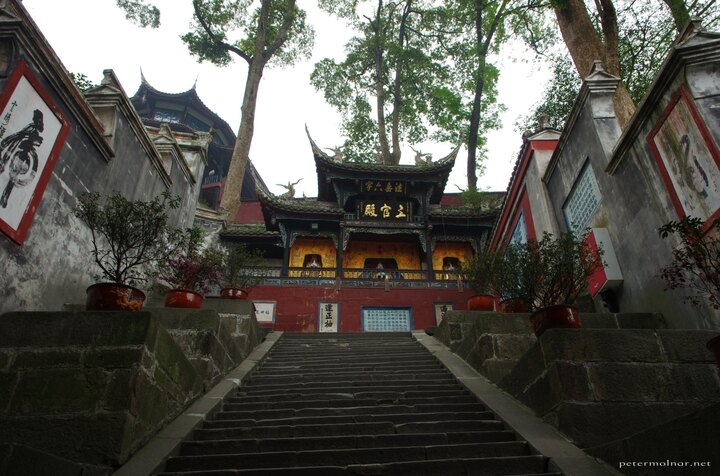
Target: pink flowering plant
696,260
193,269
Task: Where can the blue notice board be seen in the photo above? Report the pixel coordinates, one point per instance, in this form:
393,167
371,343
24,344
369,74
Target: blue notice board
387,319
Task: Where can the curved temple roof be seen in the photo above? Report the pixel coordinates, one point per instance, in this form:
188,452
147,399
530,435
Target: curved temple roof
327,167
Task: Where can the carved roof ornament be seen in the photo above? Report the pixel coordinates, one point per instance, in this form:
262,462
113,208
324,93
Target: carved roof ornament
290,187
421,158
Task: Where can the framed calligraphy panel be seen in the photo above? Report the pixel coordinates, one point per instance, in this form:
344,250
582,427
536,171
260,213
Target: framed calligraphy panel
32,133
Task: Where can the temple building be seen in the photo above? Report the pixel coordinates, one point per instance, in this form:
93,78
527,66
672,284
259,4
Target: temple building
380,244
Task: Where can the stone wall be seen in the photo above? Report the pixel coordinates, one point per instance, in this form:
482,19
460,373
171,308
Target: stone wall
493,343
92,387
634,198
600,385
106,150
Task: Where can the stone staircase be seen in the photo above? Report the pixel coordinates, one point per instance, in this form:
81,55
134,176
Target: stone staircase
377,404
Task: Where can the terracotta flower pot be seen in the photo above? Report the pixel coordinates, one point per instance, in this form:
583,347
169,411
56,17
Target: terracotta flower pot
233,293
555,317
481,302
113,297
713,346
514,305
183,298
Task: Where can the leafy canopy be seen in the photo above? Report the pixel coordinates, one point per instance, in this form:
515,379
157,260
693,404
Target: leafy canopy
221,27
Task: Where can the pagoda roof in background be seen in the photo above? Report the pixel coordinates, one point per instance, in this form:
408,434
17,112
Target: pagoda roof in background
190,100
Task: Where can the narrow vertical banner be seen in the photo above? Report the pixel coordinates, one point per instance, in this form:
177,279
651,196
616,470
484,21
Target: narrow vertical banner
328,316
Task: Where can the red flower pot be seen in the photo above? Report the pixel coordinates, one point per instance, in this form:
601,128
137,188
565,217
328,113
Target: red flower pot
233,293
113,297
481,302
183,298
713,346
514,305
554,317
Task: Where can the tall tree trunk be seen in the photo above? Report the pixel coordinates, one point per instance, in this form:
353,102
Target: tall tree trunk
241,152
256,64
379,86
397,89
679,12
483,42
585,46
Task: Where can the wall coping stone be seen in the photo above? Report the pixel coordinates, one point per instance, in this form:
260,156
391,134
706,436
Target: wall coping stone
152,457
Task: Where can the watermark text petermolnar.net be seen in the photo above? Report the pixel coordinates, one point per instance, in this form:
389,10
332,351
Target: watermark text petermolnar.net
663,464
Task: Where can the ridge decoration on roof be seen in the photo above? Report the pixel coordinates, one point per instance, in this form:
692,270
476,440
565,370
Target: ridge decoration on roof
328,167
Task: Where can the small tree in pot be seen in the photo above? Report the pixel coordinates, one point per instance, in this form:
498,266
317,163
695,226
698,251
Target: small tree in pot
548,275
479,273
191,272
240,271
129,239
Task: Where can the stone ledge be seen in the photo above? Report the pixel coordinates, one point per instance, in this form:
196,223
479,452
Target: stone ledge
564,457
151,458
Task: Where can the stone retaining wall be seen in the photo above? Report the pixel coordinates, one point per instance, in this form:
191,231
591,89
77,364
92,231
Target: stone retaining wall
599,385
92,387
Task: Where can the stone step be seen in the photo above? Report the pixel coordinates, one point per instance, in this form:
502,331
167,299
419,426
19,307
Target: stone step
354,404
308,379
291,371
350,387
345,457
343,429
350,362
508,466
343,402
335,419
341,442
361,410
384,394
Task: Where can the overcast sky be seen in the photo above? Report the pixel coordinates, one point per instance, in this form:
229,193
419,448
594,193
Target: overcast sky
92,35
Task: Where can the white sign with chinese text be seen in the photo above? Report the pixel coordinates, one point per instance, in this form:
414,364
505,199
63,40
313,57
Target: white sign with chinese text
265,311
328,316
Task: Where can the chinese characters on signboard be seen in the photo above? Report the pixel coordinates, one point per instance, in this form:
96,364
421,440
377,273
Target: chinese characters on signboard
328,315
441,310
265,311
385,187
388,319
380,210
32,132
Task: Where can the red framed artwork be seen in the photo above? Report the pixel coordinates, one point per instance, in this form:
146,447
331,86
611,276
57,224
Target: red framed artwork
32,133
688,159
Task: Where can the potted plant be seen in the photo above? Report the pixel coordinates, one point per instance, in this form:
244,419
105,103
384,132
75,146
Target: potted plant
191,272
695,265
129,239
239,272
548,275
479,273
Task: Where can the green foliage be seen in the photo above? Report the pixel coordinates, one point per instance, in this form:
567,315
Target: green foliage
414,85
479,272
140,13
130,238
81,81
239,267
222,27
557,99
193,268
696,260
545,273
646,34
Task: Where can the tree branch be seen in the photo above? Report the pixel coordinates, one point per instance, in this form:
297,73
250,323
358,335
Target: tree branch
226,46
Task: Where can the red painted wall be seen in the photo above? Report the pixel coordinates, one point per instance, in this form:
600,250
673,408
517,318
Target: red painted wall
297,306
